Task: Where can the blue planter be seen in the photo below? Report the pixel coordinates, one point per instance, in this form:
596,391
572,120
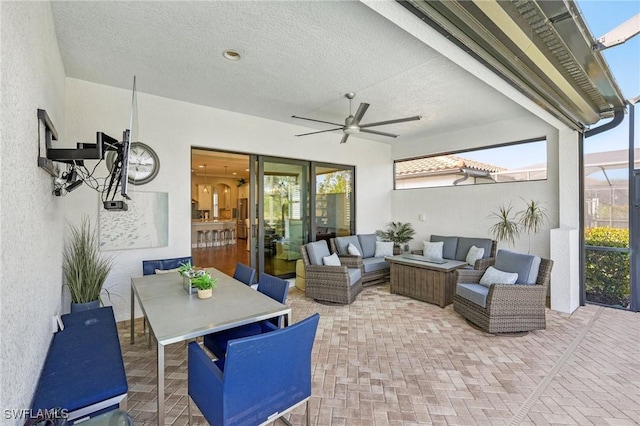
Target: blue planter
78,307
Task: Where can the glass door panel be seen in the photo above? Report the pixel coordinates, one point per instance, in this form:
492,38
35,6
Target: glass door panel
334,201
282,214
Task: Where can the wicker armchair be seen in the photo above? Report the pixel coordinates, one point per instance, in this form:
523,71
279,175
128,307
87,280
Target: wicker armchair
509,307
337,284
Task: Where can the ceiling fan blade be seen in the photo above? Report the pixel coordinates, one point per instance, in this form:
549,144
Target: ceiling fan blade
360,113
398,120
375,132
321,131
317,121
344,138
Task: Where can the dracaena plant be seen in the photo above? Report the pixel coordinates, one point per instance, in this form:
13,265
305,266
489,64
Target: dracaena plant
510,224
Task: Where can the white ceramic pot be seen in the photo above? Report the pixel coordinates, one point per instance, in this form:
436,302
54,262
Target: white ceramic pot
205,294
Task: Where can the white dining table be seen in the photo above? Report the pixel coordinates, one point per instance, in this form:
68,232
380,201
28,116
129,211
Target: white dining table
176,316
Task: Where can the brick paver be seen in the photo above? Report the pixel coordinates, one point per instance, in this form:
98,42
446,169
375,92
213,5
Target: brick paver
390,360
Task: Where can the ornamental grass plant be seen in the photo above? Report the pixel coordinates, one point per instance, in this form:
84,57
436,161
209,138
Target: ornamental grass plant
85,270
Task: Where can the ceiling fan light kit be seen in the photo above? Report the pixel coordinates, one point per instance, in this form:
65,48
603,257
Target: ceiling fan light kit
352,122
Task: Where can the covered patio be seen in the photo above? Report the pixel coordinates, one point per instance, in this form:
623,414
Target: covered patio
391,360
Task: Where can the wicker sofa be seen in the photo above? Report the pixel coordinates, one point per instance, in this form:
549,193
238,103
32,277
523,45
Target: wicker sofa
457,248
496,307
374,270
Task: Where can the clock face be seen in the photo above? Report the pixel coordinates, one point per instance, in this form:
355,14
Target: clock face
144,163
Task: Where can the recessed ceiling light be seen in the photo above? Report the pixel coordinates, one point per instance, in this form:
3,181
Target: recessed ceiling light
246,170
234,173
231,55
201,166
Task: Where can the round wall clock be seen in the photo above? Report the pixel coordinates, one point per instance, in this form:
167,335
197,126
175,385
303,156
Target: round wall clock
144,163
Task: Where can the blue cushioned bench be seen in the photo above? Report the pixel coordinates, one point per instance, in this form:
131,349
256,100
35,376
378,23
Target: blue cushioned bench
83,372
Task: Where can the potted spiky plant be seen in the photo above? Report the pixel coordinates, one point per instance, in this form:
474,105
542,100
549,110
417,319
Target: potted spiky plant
85,269
511,224
205,284
532,218
398,232
507,227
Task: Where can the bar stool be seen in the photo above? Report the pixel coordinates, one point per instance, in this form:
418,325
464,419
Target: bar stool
201,238
214,234
226,236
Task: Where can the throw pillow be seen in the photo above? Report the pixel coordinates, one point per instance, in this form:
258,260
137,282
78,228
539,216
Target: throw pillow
332,260
353,250
430,249
493,275
165,271
474,254
384,248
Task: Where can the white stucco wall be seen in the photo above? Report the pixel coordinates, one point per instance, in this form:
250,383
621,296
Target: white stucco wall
171,128
465,210
32,77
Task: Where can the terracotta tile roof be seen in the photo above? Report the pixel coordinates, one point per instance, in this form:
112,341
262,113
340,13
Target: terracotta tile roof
442,163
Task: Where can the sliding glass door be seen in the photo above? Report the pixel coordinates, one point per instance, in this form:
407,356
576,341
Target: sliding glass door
293,202
334,204
283,214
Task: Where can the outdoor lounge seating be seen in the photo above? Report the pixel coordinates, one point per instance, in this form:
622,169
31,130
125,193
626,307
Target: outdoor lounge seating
457,248
329,283
231,393
508,297
374,269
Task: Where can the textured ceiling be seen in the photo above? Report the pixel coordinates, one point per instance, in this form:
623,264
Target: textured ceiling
298,58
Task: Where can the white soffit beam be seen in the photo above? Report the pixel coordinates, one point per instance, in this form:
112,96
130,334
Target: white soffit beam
620,34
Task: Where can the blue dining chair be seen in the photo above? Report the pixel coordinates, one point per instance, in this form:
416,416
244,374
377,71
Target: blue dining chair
274,287
264,376
149,267
244,273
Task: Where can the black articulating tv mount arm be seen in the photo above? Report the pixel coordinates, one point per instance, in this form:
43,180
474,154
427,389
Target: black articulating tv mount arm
76,156
83,151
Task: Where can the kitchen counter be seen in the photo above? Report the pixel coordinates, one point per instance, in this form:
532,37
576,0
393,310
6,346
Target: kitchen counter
205,225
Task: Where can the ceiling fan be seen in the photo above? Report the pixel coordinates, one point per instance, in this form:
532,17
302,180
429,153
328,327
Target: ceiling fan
352,122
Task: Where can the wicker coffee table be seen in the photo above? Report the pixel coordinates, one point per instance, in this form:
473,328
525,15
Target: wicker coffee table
423,280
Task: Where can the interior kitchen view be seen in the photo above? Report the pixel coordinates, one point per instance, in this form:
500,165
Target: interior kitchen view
219,209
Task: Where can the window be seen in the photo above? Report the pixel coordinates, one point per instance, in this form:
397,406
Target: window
514,162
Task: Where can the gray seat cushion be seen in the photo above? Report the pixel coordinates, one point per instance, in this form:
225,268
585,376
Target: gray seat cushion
343,242
464,244
449,247
375,264
368,244
316,251
525,265
475,293
354,275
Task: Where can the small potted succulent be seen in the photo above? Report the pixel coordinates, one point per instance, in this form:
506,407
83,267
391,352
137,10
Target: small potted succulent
186,268
205,284
189,272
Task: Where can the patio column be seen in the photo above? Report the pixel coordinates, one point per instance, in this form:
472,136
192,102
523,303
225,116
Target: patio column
565,243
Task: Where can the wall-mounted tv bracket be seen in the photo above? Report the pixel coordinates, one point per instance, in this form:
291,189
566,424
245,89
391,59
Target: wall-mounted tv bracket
83,151
73,156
